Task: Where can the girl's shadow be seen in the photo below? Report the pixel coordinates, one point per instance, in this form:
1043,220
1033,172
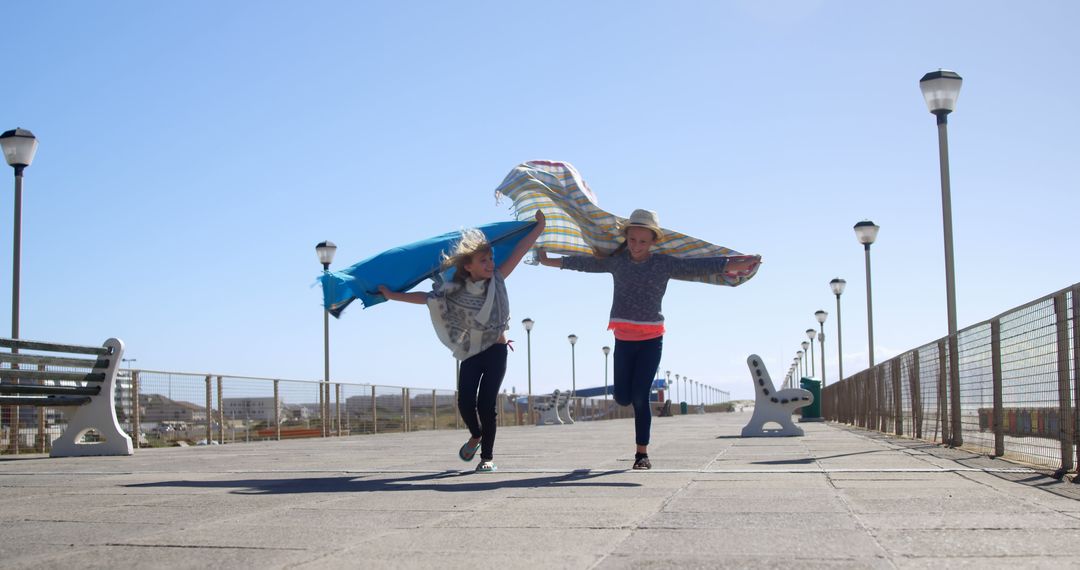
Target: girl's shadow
446,481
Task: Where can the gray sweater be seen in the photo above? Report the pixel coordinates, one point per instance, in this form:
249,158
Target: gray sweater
640,286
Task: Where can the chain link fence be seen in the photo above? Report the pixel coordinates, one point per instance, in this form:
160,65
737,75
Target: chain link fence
162,408
1014,393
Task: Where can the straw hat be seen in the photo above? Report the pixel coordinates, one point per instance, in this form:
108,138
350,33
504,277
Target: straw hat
644,219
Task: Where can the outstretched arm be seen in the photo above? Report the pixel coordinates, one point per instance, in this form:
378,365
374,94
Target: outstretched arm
740,265
542,257
416,298
523,246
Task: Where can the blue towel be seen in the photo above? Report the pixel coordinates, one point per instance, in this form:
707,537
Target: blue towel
402,268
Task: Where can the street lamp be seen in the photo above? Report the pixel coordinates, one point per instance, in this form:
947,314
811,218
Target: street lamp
837,285
821,315
573,366
667,384
802,361
866,232
940,89
19,147
810,334
677,388
528,324
325,250
607,350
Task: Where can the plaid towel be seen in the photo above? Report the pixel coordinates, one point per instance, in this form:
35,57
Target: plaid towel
576,225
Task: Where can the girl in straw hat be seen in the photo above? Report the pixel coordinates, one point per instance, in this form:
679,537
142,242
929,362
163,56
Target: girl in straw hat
640,281
471,312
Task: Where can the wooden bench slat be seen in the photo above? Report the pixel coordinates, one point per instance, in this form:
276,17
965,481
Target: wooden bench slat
53,360
47,401
49,390
52,347
7,373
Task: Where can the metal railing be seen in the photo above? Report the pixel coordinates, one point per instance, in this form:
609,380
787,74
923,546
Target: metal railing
1017,389
176,408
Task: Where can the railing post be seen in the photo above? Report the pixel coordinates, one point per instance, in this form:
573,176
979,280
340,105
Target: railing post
943,398
1076,370
136,414
337,407
40,439
209,412
915,385
434,412
954,389
221,413
883,411
1066,428
995,371
277,411
374,412
404,410
898,398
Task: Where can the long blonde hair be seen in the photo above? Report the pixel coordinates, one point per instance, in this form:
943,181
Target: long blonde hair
472,243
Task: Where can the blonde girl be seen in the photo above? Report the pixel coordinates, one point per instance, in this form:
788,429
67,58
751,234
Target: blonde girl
471,313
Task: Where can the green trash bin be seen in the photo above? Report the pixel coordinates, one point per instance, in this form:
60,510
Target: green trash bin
682,408
813,411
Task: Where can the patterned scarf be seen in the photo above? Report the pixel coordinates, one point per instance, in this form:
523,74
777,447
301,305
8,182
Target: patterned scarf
576,225
469,317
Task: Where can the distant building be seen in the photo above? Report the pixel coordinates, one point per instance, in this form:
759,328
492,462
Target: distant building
158,408
253,409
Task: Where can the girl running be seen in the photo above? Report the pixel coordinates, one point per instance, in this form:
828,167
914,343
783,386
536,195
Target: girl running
471,312
640,281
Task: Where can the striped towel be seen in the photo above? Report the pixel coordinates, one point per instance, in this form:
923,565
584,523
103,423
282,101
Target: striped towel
576,225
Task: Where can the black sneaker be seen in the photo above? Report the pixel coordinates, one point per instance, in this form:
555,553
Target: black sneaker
642,463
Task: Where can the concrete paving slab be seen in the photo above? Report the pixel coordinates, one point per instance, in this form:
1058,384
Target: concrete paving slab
838,497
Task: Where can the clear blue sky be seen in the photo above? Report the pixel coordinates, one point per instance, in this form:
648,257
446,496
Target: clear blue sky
193,153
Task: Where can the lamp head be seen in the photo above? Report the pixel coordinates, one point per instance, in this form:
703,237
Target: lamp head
573,339
821,315
19,147
837,285
326,251
866,232
811,333
607,350
941,89
527,323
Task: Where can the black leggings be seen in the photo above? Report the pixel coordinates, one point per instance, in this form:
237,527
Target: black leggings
636,363
479,380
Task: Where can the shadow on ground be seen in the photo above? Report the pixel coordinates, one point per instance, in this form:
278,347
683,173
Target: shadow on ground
445,481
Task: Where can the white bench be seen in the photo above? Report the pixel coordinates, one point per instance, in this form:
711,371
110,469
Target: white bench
50,381
553,409
562,406
771,405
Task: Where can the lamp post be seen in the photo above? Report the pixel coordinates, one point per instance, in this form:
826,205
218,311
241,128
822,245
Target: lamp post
677,388
19,146
821,315
866,232
810,334
325,250
607,350
940,89
573,366
805,356
667,384
837,285
528,324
